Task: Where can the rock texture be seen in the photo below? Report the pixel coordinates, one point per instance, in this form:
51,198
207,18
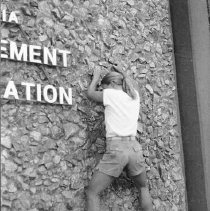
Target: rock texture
48,152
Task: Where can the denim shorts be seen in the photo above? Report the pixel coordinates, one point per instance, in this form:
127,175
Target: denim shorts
122,153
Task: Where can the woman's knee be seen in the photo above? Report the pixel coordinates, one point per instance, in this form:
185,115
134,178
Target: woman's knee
140,180
142,184
91,192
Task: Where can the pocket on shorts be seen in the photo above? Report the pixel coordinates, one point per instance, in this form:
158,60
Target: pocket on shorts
113,155
114,151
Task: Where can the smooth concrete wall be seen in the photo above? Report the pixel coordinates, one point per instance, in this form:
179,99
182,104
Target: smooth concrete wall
191,48
199,26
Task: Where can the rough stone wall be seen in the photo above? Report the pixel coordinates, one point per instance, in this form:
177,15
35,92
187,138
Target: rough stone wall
48,152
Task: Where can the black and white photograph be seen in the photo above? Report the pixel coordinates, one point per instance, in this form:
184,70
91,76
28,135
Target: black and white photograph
105,105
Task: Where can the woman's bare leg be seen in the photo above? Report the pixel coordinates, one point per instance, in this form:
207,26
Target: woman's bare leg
99,182
141,184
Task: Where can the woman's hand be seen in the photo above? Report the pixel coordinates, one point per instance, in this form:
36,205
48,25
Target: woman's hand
92,93
97,73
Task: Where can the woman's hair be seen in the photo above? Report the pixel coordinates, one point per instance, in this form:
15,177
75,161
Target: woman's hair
119,78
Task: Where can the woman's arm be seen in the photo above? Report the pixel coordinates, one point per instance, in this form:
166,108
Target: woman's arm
92,93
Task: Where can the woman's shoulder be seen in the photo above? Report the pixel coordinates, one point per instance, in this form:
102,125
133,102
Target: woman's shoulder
114,93
137,92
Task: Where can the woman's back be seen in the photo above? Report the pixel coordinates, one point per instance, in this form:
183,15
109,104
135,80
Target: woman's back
121,113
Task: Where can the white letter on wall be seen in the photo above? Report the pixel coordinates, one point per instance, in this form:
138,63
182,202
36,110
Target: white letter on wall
28,89
54,93
51,56
4,14
13,17
11,90
63,94
19,55
32,53
3,55
64,54
39,92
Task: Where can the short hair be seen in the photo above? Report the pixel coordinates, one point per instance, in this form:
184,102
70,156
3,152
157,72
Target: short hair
120,78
